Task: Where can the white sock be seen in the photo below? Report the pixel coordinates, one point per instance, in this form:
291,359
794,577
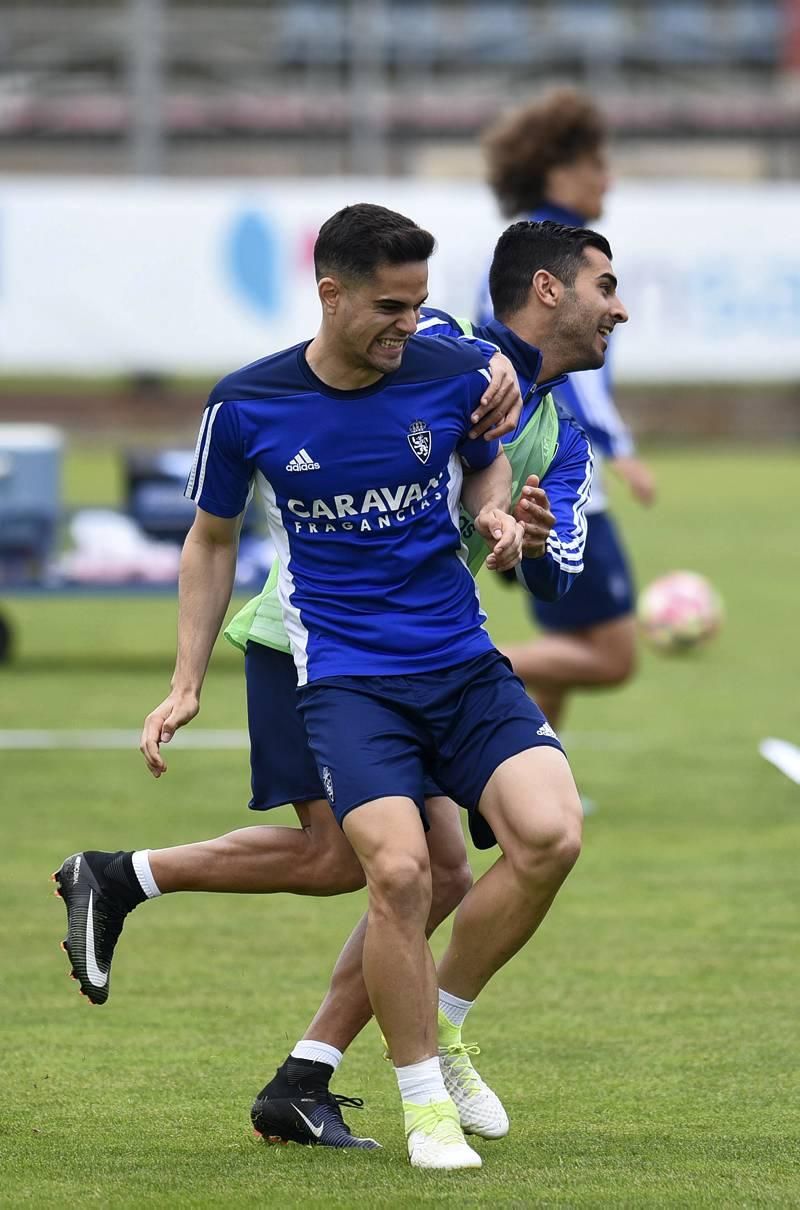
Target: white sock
317,1052
454,1008
421,1083
141,868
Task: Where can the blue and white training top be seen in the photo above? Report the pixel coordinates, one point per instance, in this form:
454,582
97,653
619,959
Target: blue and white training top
587,394
361,490
568,479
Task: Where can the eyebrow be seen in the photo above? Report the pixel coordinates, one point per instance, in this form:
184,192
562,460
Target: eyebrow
396,302
609,277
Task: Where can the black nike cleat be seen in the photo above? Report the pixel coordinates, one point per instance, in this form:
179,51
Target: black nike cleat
98,894
305,1112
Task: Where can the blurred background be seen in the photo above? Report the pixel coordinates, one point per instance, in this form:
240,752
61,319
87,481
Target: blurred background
265,88
165,166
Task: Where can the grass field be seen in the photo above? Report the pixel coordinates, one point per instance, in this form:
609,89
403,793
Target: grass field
645,1044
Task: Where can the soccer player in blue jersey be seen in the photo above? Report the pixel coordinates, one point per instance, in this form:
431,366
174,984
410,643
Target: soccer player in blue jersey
396,673
548,160
262,858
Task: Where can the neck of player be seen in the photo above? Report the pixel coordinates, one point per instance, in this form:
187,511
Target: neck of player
533,333
335,370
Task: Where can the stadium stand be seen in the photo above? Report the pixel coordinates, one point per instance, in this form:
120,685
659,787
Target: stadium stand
244,70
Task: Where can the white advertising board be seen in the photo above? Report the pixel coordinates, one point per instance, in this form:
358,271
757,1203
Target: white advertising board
113,276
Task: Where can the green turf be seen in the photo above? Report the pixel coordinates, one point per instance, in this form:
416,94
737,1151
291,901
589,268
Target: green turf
645,1043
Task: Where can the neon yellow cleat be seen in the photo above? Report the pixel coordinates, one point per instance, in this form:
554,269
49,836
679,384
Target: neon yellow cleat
479,1109
435,1138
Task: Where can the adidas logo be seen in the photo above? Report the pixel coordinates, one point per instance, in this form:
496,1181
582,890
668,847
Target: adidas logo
546,729
302,461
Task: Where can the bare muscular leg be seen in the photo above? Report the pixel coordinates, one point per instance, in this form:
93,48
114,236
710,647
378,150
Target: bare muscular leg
346,1008
556,663
315,859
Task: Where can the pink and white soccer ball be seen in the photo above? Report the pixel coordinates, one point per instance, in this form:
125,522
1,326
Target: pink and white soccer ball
679,610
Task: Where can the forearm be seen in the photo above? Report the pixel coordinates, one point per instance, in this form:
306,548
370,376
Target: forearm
544,578
553,558
489,487
204,592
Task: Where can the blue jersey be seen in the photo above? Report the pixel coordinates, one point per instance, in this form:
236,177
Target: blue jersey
361,490
569,477
587,394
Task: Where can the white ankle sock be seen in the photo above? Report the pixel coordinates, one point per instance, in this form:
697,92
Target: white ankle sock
141,868
421,1083
317,1052
454,1008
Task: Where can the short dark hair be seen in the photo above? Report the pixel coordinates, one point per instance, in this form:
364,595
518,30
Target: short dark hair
353,242
526,247
523,145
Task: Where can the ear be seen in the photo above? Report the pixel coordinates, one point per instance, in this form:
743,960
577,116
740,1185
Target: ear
330,292
547,288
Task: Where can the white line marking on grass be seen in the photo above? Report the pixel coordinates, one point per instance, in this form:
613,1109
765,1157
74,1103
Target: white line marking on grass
783,755
112,740
204,738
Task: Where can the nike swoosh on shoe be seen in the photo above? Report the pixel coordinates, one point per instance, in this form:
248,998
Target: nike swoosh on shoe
315,1130
96,977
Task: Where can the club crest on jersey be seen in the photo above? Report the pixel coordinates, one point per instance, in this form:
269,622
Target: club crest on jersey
420,440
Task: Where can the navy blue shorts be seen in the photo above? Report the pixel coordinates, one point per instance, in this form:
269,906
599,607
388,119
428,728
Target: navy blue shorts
282,766
603,591
376,736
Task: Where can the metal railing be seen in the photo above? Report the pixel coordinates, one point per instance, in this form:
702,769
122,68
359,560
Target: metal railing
148,71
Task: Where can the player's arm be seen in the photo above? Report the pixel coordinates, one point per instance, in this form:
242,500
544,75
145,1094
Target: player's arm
637,476
565,487
205,584
219,483
500,406
486,494
533,510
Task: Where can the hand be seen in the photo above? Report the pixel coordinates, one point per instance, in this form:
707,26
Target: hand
504,535
501,403
639,478
533,510
162,723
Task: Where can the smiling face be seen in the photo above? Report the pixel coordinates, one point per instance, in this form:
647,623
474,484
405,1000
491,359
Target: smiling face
370,321
588,311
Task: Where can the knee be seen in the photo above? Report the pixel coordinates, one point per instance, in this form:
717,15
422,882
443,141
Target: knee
341,873
550,851
621,665
567,849
617,655
400,883
332,868
450,885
